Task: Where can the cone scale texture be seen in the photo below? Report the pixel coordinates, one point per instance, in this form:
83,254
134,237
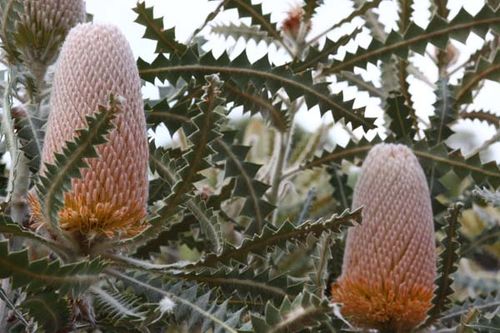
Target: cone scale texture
389,265
42,28
111,196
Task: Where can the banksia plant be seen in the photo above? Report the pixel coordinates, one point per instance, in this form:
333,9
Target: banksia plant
389,267
38,28
243,224
110,197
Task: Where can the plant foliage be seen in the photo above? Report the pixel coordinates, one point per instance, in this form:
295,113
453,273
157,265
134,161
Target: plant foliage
247,216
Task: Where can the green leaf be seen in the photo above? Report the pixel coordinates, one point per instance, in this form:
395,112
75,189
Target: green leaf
315,56
30,134
49,310
174,117
447,263
243,31
202,136
67,164
472,166
11,228
416,39
403,124
243,283
484,70
305,311
42,273
17,313
360,83
481,115
166,42
484,304
192,307
351,151
310,7
162,229
272,237
342,192
260,74
254,100
119,306
404,14
247,187
254,11
209,223
444,114
321,257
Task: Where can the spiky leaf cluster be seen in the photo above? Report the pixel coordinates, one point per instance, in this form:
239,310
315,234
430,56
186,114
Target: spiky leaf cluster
247,216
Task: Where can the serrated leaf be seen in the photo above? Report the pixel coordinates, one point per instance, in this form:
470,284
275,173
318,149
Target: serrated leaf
209,223
255,101
260,73
416,39
447,263
272,237
444,114
165,39
192,306
305,311
483,70
463,167
403,124
483,304
481,115
42,273
316,56
49,310
251,189
173,117
243,31
119,306
243,283
30,133
254,11
10,228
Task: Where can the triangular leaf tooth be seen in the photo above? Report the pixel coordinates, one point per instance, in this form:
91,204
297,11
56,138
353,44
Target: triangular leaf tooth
416,39
241,72
154,30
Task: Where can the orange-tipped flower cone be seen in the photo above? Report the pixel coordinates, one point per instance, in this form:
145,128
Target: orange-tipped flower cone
389,266
111,196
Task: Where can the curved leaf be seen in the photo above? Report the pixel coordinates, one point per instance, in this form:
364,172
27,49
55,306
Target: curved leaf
260,73
42,273
484,70
49,310
415,38
447,263
154,30
272,237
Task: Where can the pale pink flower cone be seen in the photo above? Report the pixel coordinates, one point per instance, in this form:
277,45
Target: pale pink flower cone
111,197
389,266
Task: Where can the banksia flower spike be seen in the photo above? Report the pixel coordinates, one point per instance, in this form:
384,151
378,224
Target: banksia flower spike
111,196
389,266
39,27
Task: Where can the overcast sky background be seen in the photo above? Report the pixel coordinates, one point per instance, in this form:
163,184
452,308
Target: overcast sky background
187,15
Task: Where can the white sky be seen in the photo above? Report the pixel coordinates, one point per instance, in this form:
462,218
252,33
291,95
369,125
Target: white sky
187,15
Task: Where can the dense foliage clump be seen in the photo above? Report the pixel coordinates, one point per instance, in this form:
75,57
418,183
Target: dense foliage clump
245,222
